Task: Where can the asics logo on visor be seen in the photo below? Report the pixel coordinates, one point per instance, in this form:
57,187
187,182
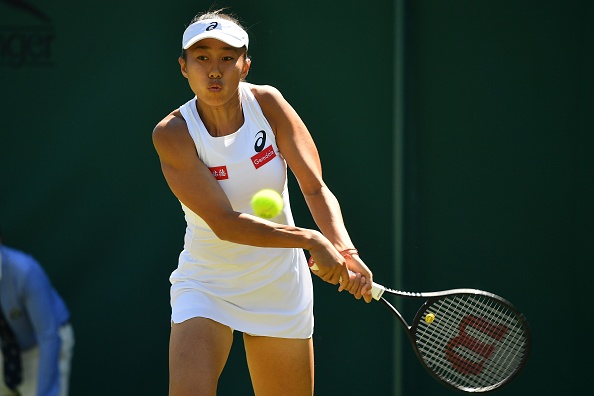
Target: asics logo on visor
212,26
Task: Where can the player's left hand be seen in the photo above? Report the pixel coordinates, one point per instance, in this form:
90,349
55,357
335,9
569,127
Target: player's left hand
360,279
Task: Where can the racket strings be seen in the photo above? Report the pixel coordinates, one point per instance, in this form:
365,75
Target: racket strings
474,342
470,357
502,362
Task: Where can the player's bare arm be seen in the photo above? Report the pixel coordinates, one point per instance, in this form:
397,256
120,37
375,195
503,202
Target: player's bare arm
297,147
192,183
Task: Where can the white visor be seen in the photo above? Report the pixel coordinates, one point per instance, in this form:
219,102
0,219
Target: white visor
220,29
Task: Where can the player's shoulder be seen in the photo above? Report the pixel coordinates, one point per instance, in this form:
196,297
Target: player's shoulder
173,126
271,101
266,94
174,121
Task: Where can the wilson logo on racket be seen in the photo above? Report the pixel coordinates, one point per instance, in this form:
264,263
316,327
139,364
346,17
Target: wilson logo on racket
480,348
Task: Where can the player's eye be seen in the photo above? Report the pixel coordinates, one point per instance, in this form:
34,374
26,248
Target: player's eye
227,58
202,57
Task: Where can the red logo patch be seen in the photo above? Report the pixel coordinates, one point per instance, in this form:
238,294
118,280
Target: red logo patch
263,157
219,172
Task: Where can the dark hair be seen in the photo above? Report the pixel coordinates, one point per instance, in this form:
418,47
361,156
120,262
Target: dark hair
215,14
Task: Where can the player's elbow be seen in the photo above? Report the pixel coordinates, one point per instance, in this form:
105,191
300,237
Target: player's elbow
223,226
220,232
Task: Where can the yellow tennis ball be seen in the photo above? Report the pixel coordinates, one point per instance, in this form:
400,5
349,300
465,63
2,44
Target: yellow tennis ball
267,203
429,318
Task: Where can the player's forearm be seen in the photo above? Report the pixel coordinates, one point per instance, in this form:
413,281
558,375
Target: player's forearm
250,230
326,212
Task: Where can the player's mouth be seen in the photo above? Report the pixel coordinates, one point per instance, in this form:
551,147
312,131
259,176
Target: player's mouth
215,87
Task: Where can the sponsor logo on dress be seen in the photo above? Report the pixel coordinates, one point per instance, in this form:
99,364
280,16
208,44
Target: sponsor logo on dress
219,172
263,157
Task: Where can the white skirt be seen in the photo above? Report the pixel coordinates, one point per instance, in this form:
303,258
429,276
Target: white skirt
274,306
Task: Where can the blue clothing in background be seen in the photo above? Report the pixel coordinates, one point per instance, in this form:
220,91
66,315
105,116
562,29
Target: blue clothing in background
34,311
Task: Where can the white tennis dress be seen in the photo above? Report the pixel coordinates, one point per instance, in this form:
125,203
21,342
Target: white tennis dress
260,291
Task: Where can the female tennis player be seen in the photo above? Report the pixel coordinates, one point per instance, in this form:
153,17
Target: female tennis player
238,271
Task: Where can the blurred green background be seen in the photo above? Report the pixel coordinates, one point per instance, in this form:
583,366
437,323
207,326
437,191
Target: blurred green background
488,104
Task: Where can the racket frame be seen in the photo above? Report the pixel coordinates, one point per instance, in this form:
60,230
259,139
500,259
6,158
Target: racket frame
378,292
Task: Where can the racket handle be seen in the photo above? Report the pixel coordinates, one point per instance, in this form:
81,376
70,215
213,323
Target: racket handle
376,289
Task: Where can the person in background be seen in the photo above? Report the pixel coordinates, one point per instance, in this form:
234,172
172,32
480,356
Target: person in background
238,271
36,337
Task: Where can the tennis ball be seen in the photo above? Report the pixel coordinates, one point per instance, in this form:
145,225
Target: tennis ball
267,203
429,318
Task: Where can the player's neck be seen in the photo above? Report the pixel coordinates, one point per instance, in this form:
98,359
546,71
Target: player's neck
221,120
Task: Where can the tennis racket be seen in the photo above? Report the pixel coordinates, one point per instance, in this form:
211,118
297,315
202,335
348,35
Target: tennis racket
469,340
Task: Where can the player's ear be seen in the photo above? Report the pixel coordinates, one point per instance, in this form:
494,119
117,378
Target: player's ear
183,66
246,66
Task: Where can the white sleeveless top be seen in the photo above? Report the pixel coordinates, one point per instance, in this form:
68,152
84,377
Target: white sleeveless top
260,291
